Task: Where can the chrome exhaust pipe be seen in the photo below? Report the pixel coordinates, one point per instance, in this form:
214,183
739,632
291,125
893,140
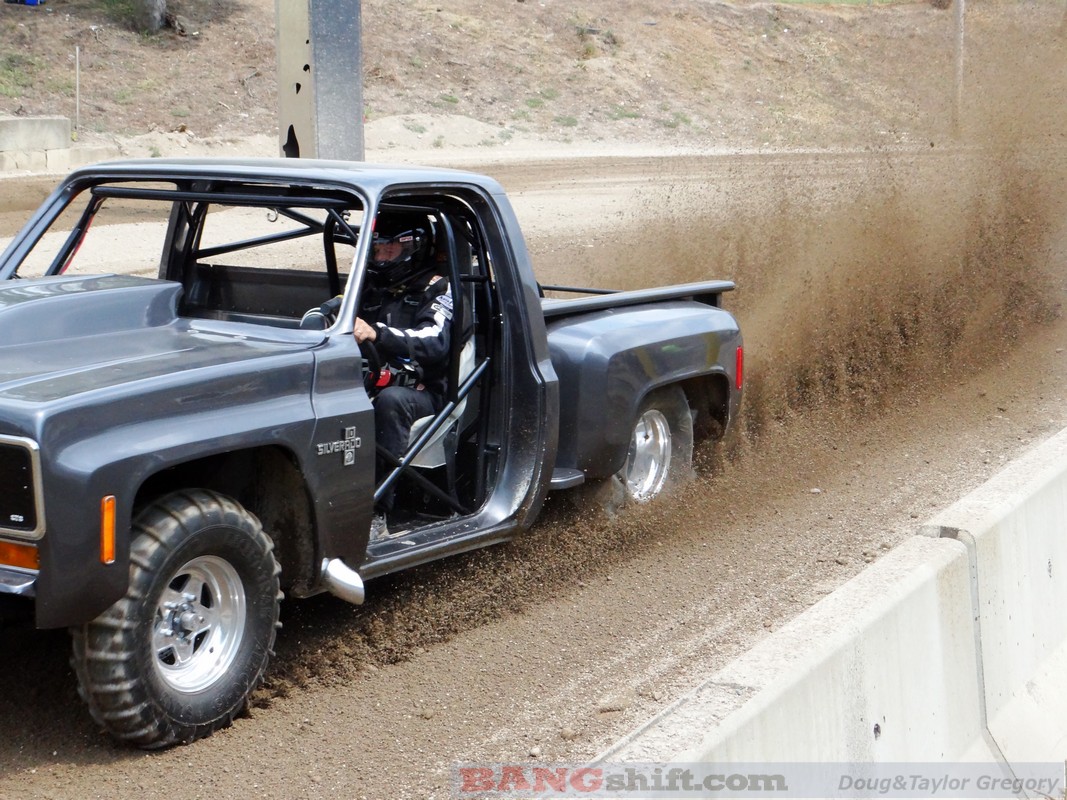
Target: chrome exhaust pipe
342,582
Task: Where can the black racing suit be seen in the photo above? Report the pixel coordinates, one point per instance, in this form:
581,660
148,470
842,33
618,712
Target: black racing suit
413,326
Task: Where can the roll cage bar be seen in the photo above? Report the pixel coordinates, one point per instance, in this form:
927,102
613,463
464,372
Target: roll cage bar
456,390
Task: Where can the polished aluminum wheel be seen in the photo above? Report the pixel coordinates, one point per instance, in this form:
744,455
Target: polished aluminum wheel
179,655
199,624
648,462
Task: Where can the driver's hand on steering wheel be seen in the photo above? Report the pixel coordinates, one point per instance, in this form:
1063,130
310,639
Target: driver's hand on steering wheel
364,332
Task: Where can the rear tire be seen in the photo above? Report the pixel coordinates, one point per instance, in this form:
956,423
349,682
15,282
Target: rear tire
660,455
179,656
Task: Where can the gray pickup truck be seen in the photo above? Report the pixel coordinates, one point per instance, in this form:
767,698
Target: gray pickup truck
176,449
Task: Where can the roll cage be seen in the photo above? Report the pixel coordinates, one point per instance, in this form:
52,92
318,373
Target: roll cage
232,278
458,240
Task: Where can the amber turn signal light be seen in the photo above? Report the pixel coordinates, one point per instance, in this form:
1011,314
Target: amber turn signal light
19,555
107,530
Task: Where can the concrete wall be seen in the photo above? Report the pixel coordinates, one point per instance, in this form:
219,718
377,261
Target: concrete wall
954,645
34,133
43,144
884,669
1015,531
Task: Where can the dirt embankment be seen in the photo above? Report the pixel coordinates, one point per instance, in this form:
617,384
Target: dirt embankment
677,72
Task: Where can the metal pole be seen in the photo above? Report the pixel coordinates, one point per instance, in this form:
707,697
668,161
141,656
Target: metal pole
320,79
77,89
957,106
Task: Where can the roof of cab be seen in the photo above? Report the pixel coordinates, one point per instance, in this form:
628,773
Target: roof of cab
371,177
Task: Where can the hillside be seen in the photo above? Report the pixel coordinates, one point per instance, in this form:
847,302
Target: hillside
673,72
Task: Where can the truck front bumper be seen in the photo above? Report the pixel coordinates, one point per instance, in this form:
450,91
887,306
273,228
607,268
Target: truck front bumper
21,582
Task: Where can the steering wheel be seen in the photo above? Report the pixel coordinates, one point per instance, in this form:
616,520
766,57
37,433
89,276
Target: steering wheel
372,365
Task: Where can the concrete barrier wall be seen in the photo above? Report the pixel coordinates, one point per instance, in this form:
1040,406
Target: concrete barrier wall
43,144
34,133
1015,530
952,647
883,669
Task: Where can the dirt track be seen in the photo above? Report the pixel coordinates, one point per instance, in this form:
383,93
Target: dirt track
904,340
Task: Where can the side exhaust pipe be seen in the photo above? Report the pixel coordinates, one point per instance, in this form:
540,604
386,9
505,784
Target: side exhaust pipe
342,582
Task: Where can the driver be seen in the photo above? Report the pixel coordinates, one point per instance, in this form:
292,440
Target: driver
404,313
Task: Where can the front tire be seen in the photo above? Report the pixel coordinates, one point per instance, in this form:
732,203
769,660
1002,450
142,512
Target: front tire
178,657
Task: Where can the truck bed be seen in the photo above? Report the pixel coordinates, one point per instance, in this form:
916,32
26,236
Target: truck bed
609,350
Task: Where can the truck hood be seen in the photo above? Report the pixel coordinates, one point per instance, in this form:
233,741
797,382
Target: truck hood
61,337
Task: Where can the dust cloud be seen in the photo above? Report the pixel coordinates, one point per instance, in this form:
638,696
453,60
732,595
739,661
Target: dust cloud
865,281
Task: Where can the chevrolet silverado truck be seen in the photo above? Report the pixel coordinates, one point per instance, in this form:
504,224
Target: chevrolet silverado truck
181,443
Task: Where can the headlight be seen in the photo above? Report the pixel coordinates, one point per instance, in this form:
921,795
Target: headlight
21,512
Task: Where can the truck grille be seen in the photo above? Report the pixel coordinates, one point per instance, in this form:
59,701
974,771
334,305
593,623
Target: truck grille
19,512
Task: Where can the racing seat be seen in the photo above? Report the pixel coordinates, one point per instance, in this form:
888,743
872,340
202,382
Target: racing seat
435,453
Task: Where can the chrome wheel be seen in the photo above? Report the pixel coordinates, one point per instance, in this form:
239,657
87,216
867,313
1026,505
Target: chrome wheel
648,462
179,655
199,624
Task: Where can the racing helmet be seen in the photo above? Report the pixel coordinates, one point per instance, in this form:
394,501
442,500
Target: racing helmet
400,256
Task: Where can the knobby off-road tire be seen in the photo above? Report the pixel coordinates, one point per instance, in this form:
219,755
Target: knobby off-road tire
660,456
178,657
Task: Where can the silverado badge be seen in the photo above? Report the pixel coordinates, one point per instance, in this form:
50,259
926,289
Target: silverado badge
347,446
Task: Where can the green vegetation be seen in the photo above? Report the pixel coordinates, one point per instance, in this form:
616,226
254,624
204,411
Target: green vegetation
595,41
621,112
124,11
415,127
676,120
61,84
445,101
16,72
544,95
566,121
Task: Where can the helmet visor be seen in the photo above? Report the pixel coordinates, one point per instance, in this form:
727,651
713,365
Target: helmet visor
387,250
395,248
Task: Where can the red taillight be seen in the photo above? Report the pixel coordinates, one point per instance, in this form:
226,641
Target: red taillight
740,367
